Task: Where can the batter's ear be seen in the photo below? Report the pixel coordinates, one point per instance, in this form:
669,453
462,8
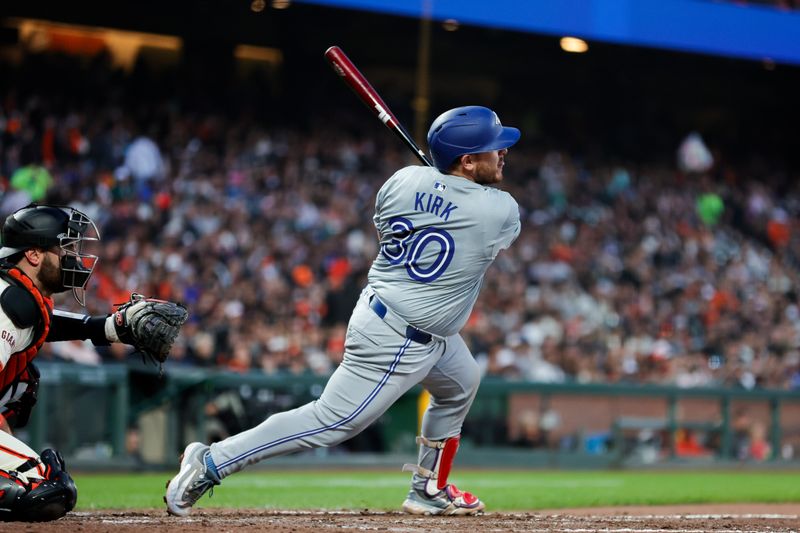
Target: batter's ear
467,161
461,162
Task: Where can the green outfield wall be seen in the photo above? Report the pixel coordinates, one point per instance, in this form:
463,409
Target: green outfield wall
133,416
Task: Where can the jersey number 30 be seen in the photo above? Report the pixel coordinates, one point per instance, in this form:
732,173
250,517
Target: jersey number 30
407,247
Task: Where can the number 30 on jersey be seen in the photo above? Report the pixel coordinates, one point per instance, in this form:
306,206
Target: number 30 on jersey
408,246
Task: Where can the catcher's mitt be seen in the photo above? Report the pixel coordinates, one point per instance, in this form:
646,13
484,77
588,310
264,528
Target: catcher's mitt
149,325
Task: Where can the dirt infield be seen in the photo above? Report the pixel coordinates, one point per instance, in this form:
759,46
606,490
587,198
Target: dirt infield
729,518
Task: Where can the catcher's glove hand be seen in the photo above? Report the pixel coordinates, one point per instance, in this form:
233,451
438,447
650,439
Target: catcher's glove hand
149,325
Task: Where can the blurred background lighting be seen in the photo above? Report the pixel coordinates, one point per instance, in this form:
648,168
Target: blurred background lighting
258,53
450,25
574,45
124,46
257,6
281,4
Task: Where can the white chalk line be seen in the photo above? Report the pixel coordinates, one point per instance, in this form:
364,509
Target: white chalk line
640,517
552,517
641,530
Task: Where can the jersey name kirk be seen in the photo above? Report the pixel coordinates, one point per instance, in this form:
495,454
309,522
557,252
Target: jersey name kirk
433,203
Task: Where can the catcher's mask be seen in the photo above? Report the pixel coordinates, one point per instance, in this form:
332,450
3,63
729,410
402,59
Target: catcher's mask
45,227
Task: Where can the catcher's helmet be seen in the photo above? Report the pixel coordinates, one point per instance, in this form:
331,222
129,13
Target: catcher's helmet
467,130
45,226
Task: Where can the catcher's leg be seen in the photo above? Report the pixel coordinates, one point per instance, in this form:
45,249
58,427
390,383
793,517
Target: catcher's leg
33,488
453,383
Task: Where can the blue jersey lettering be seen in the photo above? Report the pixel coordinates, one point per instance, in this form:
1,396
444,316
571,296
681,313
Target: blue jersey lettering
437,203
445,214
433,204
418,201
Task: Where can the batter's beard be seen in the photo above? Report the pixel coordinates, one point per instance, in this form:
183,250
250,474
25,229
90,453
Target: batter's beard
488,170
488,178
49,276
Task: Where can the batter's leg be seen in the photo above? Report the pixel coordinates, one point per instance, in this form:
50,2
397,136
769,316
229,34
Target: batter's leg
356,395
379,366
452,383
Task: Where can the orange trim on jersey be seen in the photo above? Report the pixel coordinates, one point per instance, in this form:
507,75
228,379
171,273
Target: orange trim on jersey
18,361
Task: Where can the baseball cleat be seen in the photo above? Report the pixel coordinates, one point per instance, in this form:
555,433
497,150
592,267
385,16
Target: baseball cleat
448,501
193,480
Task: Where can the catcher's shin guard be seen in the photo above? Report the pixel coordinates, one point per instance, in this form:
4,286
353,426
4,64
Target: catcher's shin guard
39,501
430,493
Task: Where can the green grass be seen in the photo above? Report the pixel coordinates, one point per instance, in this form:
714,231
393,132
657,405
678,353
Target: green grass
501,490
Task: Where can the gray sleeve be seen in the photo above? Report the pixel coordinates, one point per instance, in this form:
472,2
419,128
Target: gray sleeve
380,200
509,228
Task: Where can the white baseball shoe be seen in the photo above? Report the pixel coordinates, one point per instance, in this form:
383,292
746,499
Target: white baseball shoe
448,501
193,480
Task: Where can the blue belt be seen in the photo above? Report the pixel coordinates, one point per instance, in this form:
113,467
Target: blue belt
416,335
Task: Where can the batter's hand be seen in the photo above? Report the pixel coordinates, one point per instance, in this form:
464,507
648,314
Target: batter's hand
150,325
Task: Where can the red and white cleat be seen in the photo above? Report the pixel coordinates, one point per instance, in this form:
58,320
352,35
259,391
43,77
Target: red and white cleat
448,501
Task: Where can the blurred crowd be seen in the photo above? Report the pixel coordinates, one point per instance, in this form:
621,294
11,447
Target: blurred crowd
623,272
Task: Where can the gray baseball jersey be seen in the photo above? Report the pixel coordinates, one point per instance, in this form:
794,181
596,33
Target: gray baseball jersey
438,236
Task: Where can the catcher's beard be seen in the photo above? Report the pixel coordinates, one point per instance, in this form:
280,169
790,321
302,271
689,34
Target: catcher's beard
49,276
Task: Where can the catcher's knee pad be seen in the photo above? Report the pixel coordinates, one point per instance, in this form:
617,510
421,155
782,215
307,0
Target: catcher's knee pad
40,501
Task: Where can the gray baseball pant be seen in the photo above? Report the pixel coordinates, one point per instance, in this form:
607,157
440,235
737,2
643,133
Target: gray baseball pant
380,364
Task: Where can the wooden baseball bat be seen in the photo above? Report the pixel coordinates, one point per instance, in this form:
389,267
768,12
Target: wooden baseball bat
352,76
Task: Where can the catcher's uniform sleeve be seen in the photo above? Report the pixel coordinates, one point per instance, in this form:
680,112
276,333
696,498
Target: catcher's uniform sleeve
19,313
67,326
12,339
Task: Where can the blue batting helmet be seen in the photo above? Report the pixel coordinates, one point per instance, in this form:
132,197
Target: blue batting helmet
467,130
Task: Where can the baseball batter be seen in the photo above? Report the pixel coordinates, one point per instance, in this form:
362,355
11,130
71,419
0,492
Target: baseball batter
440,229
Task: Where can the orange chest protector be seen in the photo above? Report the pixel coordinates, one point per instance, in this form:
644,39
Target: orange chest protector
25,305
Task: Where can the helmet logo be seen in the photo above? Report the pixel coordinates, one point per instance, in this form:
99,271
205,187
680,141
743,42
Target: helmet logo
496,119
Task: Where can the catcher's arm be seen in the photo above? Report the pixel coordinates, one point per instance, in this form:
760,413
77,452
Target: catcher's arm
66,326
147,324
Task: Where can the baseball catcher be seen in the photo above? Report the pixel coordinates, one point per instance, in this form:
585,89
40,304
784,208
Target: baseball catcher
42,254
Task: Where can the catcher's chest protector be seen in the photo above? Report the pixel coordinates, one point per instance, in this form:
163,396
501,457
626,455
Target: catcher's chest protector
25,305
